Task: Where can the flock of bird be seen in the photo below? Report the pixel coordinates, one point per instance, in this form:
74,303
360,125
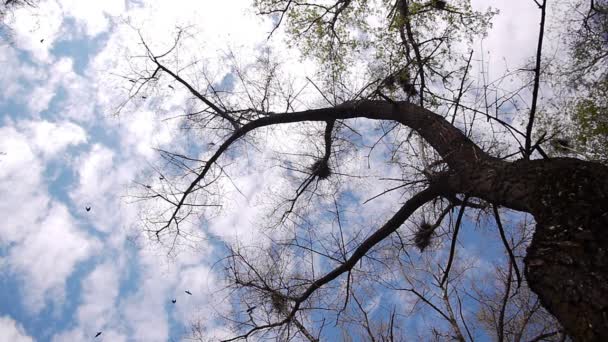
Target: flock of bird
174,300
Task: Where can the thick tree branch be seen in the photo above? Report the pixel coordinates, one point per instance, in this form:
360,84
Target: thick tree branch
458,151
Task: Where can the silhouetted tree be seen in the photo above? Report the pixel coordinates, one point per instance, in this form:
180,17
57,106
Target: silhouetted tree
405,74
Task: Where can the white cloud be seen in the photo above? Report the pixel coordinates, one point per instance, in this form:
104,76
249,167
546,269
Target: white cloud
100,291
103,176
33,24
145,309
46,257
94,16
12,331
59,74
14,73
143,131
43,242
50,137
97,311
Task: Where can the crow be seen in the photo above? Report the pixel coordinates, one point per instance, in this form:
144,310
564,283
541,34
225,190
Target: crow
98,334
188,292
87,208
174,301
42,40
170,86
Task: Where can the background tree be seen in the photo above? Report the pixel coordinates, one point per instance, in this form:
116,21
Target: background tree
582,79
395,91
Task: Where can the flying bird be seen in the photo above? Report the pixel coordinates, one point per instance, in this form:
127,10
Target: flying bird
42,40
170,86
98,334
174,301
87,208
188,292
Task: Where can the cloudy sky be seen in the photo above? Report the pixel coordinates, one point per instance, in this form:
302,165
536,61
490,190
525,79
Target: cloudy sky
67,273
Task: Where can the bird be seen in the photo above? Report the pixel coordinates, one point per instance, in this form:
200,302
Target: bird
98,334
148,186
188,292
132,81
144,97
170,86
161,178
174,301
42,40
87,208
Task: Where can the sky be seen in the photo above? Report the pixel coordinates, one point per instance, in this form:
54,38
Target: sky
67,273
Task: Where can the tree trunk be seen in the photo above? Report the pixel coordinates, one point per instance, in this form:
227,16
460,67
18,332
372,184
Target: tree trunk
567,261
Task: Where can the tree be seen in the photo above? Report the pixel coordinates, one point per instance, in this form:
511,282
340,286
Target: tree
589,46
415,87
584,132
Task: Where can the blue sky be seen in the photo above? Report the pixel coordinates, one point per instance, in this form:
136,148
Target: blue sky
66,273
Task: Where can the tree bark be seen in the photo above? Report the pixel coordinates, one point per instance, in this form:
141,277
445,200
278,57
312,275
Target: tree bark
567,261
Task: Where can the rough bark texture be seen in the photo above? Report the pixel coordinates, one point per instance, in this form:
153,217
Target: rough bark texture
567,261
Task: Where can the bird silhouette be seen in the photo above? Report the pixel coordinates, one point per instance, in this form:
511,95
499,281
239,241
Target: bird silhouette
98,334
87,208
174,301
188,292
42,40
170,86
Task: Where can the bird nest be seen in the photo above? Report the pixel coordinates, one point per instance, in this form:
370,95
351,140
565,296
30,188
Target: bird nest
320,169
423,236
